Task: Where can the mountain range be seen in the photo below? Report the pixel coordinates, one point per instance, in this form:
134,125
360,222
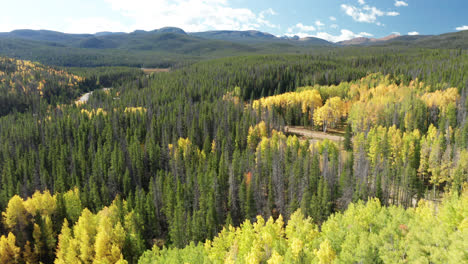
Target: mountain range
169,45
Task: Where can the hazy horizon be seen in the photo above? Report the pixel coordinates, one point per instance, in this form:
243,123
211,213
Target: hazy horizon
334,20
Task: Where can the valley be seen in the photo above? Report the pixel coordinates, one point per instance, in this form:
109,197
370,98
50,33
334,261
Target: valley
299,132
193,153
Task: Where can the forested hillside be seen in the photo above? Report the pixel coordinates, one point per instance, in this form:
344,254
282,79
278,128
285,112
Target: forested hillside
169,47
31,87
23,84
171,159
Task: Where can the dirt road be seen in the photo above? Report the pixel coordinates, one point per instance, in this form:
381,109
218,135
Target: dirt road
85,97
151,70
312,135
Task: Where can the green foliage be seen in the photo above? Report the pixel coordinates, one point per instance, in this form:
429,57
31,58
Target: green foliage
182,157
364,233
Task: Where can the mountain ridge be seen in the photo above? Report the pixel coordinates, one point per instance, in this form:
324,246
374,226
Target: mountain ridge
170,45
364,40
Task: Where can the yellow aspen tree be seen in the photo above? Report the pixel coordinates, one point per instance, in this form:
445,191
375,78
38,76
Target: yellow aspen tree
326,254
85,232
256,134
329,114
15,219
110,239
15,215
41,203
275,258
38,245
9,252
67,249
29,257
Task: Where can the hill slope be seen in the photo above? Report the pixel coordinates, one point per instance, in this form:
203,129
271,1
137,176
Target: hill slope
158,48
367,41
168,46
23,84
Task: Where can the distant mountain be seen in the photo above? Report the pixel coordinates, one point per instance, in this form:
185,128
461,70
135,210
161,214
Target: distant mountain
367,41
106,33
170,30
159,47
236,36
45,35
253,36
314,41
167,39
455,40
163,47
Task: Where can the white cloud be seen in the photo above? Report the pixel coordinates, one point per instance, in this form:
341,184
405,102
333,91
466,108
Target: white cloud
365,34
462,28
396,33
413,33
319,24
393,13
366,14
334,26
300,30
332,18
344,35
190,15
298,34
268,11
304,27
361,2
400,3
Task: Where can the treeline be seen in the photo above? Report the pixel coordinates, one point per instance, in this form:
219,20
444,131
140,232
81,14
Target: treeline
59,55
105,77
190,153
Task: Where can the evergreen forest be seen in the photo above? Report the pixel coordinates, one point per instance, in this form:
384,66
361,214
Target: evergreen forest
340,155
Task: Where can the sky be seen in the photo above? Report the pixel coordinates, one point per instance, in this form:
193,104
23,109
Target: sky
333,20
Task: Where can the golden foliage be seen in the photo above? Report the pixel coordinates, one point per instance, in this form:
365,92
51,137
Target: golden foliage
233,96
135,110
307,100
41,203
256,134
440,98
30,77
15,213
93,112
325,254
331,113
9,252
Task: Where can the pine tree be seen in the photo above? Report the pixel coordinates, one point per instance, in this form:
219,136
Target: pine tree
347,144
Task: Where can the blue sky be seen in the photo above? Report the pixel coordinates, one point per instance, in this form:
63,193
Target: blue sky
334,20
